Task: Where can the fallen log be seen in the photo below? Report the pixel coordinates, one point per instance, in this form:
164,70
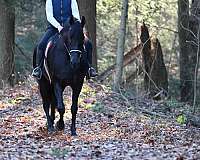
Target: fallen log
128,58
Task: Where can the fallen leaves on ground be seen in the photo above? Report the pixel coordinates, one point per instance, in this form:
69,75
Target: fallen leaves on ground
108,128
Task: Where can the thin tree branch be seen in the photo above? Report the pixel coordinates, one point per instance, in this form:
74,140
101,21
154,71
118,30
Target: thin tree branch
196,72
22,53
189,31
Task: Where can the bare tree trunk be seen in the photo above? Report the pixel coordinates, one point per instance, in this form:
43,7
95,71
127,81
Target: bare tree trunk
88,9
189,48
7,32
136,25
120,46
194,38
185,74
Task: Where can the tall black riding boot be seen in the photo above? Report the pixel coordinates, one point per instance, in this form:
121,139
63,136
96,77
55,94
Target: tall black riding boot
37,72
91,71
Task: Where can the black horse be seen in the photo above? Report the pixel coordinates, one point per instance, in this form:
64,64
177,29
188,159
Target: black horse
67,66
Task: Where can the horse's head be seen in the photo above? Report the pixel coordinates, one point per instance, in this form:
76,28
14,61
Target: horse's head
74,39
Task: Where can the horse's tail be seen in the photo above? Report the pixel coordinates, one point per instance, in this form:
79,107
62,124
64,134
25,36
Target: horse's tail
34,57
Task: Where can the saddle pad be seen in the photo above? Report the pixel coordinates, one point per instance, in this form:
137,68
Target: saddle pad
49,45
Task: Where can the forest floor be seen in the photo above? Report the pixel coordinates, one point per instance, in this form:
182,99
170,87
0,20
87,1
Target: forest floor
109,126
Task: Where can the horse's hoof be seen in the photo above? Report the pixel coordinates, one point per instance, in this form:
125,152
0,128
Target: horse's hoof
73,133
51,130
60,125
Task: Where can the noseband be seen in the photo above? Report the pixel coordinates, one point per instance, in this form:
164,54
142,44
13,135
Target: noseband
72,50
75,50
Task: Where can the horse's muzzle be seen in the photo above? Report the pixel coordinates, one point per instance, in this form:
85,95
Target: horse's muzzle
75,64
75,60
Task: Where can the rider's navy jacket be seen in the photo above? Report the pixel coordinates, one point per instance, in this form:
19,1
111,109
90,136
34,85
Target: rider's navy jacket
61,10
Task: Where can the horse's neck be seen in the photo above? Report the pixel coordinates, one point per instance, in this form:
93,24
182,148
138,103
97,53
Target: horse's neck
60,43
62,47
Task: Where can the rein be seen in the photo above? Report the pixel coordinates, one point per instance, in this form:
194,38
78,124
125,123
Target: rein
72,50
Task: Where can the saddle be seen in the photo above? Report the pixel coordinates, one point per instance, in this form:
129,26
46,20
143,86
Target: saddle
49,46
51,43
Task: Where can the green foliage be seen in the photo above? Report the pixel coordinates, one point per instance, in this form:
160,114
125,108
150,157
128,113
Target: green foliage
181,119
161,15
96,107
30,25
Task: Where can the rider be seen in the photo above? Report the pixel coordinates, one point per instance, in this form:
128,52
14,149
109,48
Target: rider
57,12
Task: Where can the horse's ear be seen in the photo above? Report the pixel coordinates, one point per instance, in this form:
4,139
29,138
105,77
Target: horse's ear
69,22
83,21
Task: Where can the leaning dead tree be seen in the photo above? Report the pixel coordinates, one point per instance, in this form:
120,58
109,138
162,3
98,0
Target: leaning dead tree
129,57
156,77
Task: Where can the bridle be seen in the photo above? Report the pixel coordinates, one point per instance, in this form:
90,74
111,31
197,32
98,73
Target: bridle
72,50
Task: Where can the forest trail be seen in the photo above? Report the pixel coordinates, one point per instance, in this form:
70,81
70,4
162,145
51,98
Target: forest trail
107,126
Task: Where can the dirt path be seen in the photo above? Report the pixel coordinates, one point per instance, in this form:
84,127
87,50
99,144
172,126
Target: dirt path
107,129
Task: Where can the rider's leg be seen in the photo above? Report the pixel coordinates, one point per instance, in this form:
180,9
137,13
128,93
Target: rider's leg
91,71
37,72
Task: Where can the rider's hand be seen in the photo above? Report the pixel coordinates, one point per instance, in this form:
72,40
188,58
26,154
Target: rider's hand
60,28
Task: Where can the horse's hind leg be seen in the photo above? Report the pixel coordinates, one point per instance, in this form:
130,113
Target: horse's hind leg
46,99
46,106
60,105
53,106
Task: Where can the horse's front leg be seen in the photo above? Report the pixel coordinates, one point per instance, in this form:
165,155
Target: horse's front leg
58,91
74,108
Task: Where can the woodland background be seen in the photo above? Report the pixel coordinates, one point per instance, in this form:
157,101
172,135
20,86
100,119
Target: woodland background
125,119
160,16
